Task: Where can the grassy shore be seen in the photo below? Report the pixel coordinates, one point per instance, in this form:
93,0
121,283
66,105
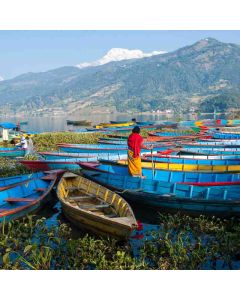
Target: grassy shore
181,242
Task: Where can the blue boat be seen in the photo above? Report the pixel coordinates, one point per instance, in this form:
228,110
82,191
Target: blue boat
82,156
211,162
226,135
124,142
144,123
100,148
218,147
199,156
167,175
8,182
27,197
212,151
173,197
12,152
217,143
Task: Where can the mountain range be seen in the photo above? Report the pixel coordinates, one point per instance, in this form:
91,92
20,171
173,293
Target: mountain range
205,75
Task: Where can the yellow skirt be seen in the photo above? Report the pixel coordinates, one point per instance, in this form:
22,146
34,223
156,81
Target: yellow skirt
134,164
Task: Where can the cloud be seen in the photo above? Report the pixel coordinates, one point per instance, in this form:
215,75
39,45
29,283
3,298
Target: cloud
118,54
1,78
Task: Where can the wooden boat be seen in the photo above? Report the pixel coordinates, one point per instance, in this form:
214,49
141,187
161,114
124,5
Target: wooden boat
192,161
31,197
108,141
211,146
179,166
79,123
227,143
145,123
46,165
93,207
81,156
23,123
118,136
174,138
99,148
173,197
12,152
199,156
166,175
8,182
209,151
226,135
109,125
118,122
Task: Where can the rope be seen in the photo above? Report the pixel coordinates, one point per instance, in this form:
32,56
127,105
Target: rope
129,190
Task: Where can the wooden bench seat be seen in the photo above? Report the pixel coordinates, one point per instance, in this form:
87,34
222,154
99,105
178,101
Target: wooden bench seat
93,207
40,189
11,199
81,198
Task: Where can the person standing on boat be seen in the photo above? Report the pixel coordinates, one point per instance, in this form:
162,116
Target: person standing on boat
30,148
135,144
23,143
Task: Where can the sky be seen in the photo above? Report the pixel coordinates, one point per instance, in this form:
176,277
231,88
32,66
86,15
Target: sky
38,51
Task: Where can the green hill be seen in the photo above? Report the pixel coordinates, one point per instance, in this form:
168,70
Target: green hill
190,76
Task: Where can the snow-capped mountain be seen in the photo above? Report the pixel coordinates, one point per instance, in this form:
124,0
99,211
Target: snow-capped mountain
117,54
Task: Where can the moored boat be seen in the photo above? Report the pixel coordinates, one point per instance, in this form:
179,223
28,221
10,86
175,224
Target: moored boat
193,161
179,166
12,152
82,156
79,123
173,197
26,197
8,182
166,175
93,207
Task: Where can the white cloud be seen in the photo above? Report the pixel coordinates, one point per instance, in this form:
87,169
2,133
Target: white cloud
1,78
117,54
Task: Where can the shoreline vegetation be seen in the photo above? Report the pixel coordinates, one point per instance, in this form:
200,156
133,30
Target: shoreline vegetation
177,242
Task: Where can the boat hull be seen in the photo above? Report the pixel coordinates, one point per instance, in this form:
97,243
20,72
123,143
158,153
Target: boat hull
28,190
166,202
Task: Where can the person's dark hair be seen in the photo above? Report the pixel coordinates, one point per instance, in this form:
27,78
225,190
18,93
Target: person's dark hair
136,129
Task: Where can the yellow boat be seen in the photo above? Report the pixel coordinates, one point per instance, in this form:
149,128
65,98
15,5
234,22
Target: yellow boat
104,125
93,207
186,167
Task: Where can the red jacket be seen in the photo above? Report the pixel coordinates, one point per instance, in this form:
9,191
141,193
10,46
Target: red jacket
134,143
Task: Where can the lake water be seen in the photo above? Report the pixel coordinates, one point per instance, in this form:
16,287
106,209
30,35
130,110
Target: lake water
59,123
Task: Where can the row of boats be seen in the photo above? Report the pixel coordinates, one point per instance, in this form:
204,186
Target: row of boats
186,173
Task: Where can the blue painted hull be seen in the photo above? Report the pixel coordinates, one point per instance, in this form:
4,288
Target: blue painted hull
166,196
226,135
9,181
208,162
211,151
36,191
11,152
80,157
114,149
173,176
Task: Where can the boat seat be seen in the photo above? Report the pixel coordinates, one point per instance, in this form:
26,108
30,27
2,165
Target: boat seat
48,177
92,207
112,216
40,189
80,198
12,199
